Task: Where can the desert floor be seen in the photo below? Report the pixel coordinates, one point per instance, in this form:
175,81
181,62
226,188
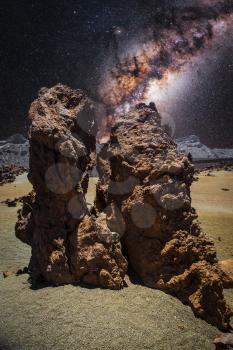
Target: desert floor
76,317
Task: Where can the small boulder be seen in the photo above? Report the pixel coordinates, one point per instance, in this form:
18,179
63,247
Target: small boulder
8,274
224,341
226,267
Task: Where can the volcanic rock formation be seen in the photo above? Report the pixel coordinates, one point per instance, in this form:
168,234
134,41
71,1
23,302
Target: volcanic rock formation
54,221
143,200
144,189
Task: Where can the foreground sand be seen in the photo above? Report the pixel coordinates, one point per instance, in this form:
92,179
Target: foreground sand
213,198
70,317
76,317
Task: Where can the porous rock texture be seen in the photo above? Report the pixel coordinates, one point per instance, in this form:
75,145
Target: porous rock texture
142,208
144,189
68,244
226,267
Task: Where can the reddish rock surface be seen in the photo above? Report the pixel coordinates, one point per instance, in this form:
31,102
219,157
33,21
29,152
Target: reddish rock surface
226,267
143,202
54,220
144,189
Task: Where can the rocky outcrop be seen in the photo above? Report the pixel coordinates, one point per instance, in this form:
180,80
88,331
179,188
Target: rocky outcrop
68,244
9,173
142,208
144,189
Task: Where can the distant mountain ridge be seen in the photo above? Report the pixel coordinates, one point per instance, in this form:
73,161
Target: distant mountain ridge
192,144
15,150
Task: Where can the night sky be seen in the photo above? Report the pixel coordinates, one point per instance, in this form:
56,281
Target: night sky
47,42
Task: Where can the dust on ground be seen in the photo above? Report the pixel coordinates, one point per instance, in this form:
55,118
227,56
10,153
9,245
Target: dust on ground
80,317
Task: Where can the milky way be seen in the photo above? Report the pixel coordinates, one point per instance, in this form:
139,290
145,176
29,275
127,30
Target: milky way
160,58
121,53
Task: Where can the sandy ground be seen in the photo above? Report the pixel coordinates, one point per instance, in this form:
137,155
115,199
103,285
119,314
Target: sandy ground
13,254
77,317
215,208
213,198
